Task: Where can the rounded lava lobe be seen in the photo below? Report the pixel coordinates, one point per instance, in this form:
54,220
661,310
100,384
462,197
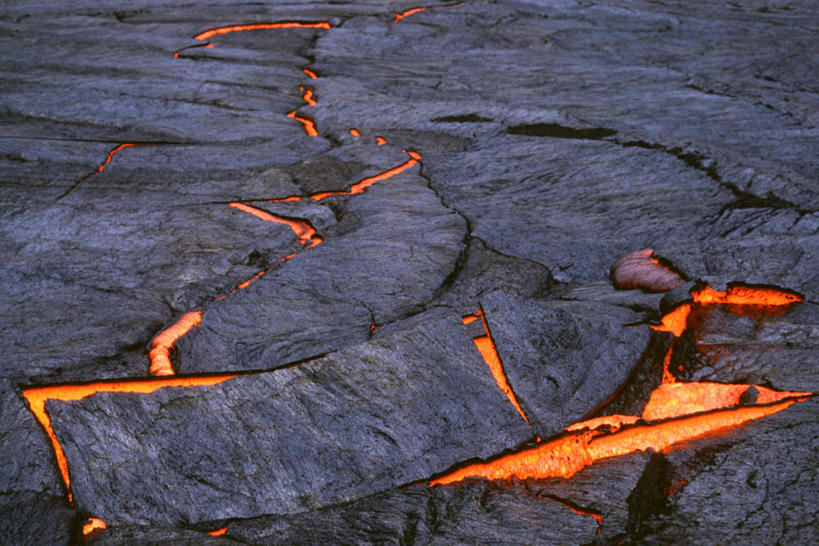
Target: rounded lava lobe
639,270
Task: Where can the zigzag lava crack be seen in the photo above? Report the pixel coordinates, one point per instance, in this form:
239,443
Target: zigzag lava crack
99,169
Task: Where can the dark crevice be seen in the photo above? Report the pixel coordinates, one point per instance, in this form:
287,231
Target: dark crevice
560,131
649,497
463,118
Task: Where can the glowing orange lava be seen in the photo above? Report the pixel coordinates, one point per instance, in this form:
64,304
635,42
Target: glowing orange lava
93,524
490,355
259,26
745,295
574,508
362,185
612,422
218,532
675,321
310,73
566,456
355,132
37,397
307,95
677,399
413,11
160,354
102,165
305,233
380,140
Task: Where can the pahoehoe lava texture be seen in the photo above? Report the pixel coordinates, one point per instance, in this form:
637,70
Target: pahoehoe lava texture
349,424
555,138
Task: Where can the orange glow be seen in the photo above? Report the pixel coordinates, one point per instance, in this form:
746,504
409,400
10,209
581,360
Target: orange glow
576,510
218,532
102,165
490,355
92,524
675,321
37,397
380,140
362,185
413,11
309,125
310,73
258,26
667,377
308,96
569,454
305,233
677,399
355,132
612,422
245,284
745,295
163,343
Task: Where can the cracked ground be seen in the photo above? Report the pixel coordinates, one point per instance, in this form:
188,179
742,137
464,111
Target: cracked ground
341,272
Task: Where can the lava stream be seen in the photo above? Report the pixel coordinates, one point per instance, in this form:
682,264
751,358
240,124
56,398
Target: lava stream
37,397
413,11
309,125
99,169
490,355
305,232
92,525
568,455
260,26
576,509
160,354
362,185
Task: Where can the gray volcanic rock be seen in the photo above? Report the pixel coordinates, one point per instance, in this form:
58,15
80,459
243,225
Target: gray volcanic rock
762,346
33,504
379,263
563,360
756,484
361,420
474,511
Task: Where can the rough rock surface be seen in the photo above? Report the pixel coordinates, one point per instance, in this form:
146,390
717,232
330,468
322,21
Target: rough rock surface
555,137
516,512
563,360
33,506
755,484
761,346
331,430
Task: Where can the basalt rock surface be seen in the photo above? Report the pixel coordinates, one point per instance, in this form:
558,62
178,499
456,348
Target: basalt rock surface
540,143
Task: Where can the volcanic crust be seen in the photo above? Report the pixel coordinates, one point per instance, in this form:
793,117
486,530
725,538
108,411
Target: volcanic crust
273,269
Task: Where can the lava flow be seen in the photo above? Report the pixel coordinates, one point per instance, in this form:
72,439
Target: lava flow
93,524
413,11
675,412
37,397
259,26
99,169
162,345
309,124
365,183
490,355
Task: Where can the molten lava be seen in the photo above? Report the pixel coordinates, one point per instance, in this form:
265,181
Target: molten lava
677,399
93,524
37,397
160,354
745,295
305,232
102,165
566,456
259,26
310,73
362,185
218,532
490,355
355,132
379,140
413,11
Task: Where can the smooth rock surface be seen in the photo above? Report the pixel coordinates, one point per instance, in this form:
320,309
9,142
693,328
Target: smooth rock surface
361,420
563,360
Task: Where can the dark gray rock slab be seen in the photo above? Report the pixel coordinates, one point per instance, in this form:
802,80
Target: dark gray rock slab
515,512
756,345
358,421
563,359
392,252
133,534
34,508
757,483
